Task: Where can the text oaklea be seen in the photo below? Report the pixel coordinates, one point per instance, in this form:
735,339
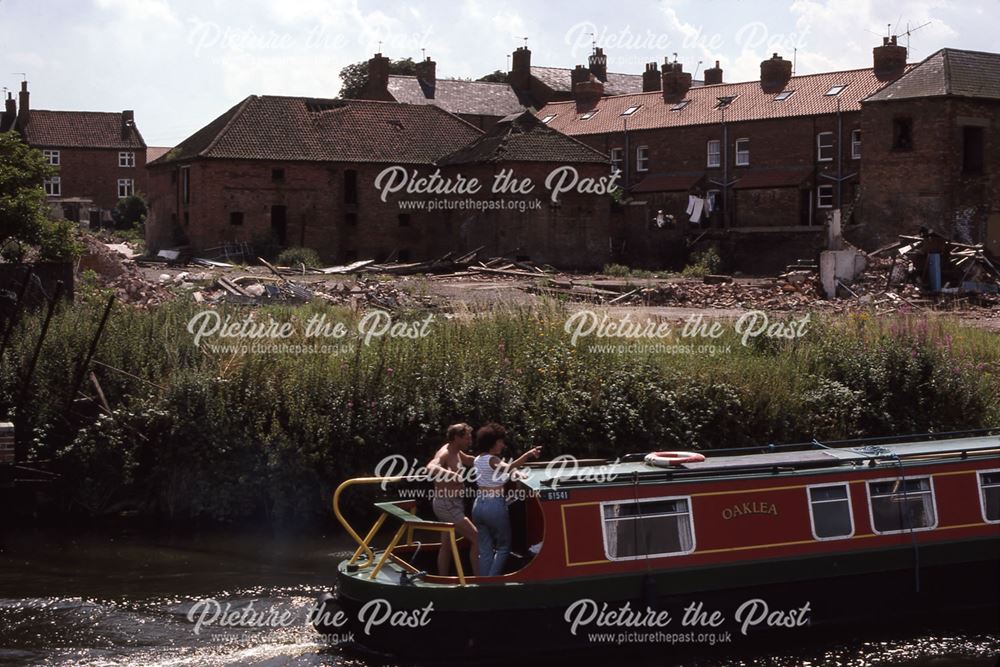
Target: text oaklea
559,181
374,324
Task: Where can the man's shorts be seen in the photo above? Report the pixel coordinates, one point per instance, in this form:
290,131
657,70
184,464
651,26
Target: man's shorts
450,509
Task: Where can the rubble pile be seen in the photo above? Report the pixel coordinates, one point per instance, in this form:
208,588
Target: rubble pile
117,272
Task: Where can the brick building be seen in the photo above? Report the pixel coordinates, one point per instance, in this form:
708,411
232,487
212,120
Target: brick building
573,232
765,161
537,86
295,171
101,156
934,159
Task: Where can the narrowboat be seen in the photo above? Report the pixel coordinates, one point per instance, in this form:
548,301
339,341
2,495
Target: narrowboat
674,548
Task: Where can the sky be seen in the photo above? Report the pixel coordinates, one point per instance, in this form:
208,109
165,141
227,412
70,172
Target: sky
181,63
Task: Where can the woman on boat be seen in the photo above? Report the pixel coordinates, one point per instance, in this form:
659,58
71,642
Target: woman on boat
489,512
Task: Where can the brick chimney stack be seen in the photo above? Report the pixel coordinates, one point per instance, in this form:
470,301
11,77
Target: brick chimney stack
128,123
586,90
651,78
889,59
377,87
598,64
520,72
676,82
775,74
579,74
427,76
23,108
713,75
11,106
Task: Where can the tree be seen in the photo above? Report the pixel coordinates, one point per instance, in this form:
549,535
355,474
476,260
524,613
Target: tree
129,212
354,77
24,220
497,76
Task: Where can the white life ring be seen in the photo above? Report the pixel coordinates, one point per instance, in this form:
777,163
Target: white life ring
671,459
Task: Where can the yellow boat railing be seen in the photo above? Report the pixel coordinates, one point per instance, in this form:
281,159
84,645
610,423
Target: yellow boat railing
409,524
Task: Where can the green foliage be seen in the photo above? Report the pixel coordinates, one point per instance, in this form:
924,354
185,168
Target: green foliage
616,270
296,256
225,436
23,208
354,77
129,212
496,76
703,264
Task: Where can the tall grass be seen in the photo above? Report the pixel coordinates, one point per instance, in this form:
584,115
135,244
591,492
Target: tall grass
229,436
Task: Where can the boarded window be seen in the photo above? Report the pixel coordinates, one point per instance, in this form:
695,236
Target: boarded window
236,218
902,134
350,186
657,527
278,174
972,150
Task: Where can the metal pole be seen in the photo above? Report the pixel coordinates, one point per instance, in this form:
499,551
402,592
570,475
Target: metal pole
16,312
625,157
725,170
34,357
82,369
840,157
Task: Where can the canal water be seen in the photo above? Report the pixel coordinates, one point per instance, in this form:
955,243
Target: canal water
125,600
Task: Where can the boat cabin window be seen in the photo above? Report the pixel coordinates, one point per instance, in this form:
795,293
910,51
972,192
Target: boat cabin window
898,505
830,511
989,496
652,527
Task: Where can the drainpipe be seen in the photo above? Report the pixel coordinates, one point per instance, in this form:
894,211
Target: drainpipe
625,157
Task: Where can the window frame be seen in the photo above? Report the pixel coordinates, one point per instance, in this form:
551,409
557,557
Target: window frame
784,95
902,479
631,110
549,118
52,157
126,159
680,105
982,494
587,115
642,158
819,189
618,164
53,183
856,144
850,510
835,90
708,154
736,150
819,147
631,501
129,184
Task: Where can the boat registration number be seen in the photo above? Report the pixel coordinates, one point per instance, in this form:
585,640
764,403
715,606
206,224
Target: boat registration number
555,495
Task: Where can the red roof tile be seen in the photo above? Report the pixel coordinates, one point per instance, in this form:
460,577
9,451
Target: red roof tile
750,103
326,130
80,129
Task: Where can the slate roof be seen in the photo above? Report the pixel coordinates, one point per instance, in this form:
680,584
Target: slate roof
80,129
524,138
265,127
750,103
947,72
481,98
559,78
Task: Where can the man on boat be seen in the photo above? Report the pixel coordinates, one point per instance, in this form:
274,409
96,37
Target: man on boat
449,493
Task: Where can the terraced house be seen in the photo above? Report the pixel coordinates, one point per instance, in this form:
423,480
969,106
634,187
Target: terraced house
758,166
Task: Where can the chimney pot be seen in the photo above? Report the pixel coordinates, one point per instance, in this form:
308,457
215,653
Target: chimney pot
775,74
427,76
520,73
676,82
713,75
889,60
598,64
651,78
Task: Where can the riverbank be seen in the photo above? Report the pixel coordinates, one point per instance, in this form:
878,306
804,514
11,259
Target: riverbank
194,425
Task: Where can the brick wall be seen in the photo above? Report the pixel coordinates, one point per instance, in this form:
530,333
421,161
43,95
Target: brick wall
93,173
926,186
317,215
774,144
